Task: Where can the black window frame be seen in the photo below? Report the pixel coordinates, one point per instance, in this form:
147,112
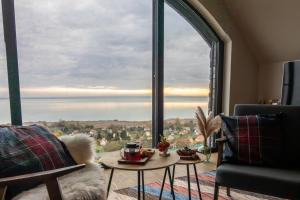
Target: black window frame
187,11
183,7
9,29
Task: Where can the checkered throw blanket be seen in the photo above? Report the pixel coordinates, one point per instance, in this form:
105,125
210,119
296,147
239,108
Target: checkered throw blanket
27,149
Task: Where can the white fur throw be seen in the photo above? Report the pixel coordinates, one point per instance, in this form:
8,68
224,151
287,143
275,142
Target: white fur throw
85,184
80,146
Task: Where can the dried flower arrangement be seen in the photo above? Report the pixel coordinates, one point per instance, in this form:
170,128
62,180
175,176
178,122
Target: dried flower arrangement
207,125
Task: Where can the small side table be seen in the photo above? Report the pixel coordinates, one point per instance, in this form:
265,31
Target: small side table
188,163
156,162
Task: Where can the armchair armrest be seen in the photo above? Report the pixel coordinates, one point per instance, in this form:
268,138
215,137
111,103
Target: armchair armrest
220,143
47,177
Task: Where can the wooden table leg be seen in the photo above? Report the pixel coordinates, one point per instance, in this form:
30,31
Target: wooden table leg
228,191
109,182
163,184
2,192
197,180
53,189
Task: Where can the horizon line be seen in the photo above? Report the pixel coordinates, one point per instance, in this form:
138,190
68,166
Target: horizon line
108,96
108,91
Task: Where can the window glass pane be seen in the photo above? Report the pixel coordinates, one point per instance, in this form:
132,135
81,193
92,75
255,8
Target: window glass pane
4,96
187,68
85,67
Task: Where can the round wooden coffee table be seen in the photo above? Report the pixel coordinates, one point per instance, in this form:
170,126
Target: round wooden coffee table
110,160
188,163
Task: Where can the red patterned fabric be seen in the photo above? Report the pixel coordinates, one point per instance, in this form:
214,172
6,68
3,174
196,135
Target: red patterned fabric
29,149
248,140
26,149
252,139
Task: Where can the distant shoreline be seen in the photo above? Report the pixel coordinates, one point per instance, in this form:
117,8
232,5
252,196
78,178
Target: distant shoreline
105,123
133,108
107,97
114,120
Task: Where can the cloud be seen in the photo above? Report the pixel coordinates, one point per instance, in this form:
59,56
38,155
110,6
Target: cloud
107,43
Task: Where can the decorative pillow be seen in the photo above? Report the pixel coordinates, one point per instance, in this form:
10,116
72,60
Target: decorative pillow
29,149
253,139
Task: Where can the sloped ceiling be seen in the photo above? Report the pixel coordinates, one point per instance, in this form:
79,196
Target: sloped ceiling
271,28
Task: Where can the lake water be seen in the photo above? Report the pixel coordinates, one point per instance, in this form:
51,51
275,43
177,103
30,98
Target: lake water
101,108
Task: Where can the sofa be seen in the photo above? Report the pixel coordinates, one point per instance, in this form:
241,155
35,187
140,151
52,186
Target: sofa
281,181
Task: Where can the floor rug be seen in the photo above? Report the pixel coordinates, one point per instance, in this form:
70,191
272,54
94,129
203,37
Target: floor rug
181,191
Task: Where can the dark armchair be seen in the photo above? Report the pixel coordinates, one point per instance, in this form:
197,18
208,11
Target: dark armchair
277,181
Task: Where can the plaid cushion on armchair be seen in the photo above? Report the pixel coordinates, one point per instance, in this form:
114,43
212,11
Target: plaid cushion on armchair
29,149
253,139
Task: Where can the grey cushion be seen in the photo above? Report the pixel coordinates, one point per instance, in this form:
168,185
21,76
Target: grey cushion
290,124
277,182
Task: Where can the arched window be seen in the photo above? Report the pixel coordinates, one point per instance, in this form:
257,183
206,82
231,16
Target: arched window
160,67
186,79
111,69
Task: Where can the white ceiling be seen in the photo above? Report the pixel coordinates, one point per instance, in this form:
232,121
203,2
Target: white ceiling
270,27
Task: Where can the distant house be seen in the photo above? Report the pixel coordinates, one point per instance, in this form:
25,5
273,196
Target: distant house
148,133
93,132
199,138
75,132
184,140
103,142
171,138
187,128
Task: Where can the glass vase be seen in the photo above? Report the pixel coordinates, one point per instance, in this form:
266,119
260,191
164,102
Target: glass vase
206,151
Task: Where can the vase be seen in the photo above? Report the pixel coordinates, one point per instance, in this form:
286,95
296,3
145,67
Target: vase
206,151
164,153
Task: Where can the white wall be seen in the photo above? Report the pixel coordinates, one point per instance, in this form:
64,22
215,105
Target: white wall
270,81
240,68
272,36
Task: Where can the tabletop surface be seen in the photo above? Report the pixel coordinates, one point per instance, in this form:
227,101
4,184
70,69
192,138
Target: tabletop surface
156,162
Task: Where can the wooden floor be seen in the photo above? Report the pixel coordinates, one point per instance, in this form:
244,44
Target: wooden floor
123,179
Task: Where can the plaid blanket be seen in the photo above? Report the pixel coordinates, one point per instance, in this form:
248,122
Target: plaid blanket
28,149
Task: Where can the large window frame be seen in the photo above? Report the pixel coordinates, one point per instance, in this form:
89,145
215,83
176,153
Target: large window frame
9,29
183,8
216,66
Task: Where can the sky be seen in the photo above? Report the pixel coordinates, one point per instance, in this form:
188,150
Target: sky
102,47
